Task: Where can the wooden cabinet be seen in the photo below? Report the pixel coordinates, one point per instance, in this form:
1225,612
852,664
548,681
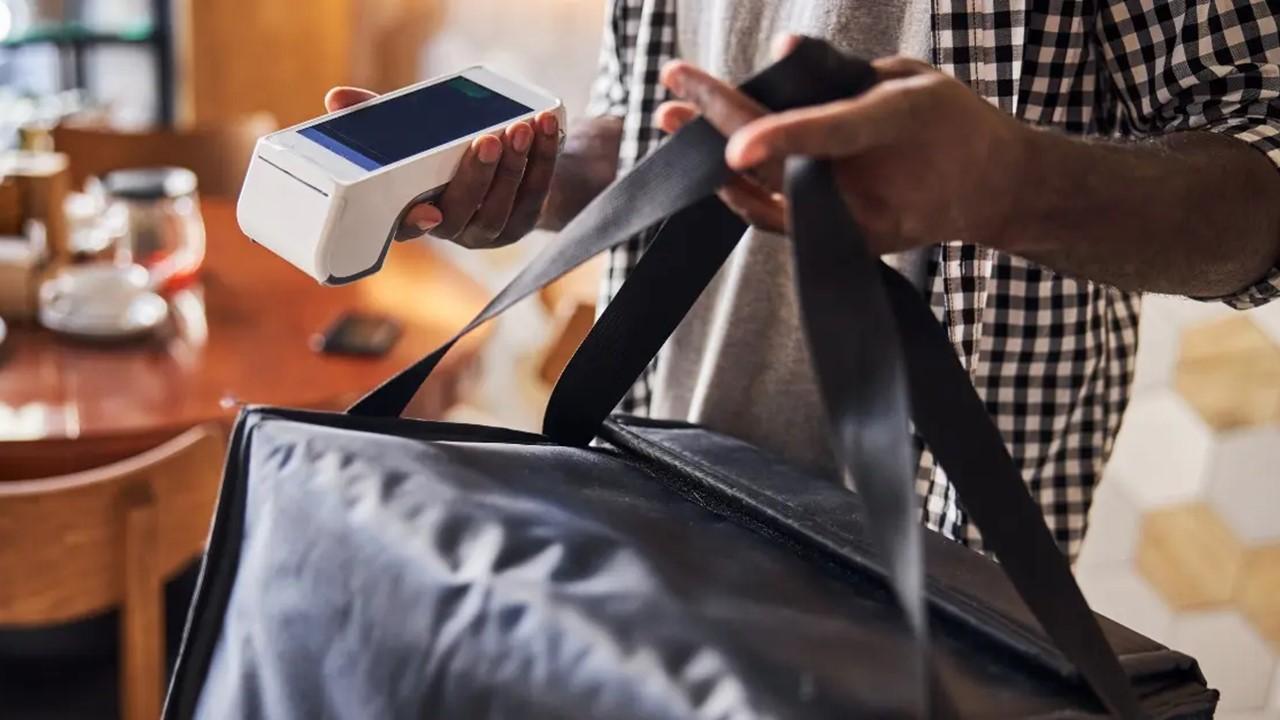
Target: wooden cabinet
238,57
389,37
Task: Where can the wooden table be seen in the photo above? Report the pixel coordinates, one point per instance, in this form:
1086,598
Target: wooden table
242,336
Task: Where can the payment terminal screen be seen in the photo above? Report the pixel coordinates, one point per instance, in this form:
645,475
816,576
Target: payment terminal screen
408,124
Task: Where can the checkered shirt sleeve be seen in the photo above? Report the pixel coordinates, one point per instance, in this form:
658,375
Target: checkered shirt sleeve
1211,65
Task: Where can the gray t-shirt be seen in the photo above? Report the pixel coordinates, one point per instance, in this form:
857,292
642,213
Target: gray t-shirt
738,363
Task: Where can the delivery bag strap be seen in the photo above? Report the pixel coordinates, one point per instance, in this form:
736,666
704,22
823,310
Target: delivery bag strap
849,345
675,268
853,339
673,272
688,168
868,424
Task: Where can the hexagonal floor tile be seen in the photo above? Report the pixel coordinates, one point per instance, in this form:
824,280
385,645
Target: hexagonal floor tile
1159,336
1113,526
1189,556
1258,591
1244,482
1187,312
1161,452
1234,659
1267,318
1119,593
1229,370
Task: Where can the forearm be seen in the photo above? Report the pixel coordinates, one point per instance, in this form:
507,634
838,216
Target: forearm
1192,213
588,163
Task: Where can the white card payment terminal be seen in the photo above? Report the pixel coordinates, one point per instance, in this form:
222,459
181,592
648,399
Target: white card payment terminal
327,195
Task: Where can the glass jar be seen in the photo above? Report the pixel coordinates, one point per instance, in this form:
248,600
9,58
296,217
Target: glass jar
156,214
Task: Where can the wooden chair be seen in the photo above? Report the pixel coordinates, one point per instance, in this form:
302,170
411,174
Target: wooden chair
76,545
219,155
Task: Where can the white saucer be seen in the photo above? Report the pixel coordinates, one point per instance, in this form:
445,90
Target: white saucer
101,301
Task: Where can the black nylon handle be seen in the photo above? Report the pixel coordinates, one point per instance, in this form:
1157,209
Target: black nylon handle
868,420
858,354
670,275
682,258
690,167
852,339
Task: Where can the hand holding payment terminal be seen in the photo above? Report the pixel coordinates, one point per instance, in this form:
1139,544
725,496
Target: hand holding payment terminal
327,195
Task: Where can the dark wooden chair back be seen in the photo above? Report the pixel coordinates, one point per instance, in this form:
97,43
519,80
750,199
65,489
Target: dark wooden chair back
218,156
75,545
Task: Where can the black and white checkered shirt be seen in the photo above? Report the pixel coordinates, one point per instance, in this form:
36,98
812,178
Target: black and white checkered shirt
1052,356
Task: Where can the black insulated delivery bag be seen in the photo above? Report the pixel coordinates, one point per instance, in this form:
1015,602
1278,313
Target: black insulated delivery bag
363,565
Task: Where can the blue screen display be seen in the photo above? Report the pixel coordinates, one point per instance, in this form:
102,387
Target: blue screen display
390,131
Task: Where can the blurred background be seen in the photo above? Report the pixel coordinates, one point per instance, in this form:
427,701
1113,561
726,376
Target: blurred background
1185,539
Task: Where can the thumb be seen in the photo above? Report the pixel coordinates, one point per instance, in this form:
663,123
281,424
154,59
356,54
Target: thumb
344,97
673,115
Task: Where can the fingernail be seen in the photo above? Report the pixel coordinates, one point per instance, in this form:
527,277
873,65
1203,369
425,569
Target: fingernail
521,136
675,81
427,217
672,76
740,154
549,124
487,150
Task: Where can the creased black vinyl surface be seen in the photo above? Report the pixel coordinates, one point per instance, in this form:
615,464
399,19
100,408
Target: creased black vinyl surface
384,576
